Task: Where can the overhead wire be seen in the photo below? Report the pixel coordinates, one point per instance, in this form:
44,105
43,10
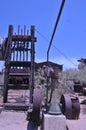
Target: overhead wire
64,55
60,52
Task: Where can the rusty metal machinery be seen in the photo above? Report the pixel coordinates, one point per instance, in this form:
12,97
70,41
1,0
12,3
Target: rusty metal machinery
70,106
34,110
49,47
18,52
70,103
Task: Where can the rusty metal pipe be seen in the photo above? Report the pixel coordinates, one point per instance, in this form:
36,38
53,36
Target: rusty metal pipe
56,24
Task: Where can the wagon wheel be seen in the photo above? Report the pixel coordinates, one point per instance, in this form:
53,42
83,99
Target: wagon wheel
66,105
35,116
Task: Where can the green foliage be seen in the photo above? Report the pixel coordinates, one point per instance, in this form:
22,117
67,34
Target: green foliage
40,80
82,73
71,74
62,85
39,77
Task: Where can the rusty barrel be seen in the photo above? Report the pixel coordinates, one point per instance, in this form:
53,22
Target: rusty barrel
70,106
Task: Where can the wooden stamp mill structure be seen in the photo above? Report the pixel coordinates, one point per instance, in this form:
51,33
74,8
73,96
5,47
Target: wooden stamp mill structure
18,52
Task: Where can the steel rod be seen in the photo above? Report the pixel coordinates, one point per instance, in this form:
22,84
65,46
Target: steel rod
55,27
56,24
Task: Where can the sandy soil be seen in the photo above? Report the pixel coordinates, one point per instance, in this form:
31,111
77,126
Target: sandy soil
11,120
16,120
79,124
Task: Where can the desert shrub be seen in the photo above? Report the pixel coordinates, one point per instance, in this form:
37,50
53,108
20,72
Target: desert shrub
82,73
62,85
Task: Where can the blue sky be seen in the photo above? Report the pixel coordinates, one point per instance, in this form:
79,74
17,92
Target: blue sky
70,38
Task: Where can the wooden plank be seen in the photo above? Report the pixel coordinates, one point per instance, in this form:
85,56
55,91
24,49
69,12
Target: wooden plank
23,38
16,106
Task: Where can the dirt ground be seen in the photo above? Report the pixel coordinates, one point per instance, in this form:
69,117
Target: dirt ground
79,124
16,120
12,120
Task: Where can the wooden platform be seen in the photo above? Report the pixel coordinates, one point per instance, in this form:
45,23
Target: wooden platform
16,106
17,100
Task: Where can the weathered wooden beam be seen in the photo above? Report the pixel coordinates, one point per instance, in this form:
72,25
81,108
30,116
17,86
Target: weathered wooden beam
23,38
16,106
